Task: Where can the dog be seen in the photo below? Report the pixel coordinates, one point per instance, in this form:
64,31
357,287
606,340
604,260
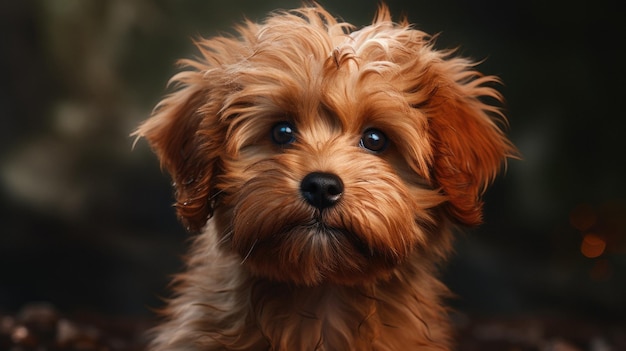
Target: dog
324,169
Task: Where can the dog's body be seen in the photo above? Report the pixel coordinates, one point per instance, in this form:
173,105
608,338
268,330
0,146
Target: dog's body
325,170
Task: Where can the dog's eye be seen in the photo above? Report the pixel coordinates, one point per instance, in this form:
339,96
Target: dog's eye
283,133
373,140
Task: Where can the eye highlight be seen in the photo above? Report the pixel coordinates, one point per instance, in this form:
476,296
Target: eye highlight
283,133
373,140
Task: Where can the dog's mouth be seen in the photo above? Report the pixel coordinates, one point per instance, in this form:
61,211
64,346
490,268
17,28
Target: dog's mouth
315,252
340,237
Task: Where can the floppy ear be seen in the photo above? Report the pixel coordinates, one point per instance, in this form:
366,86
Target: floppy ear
185,134
468,145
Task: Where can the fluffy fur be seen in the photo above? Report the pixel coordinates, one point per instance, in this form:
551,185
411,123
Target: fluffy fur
271,271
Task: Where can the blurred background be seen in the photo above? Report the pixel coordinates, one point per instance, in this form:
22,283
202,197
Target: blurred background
86,222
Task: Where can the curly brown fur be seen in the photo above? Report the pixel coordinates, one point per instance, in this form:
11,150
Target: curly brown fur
280,266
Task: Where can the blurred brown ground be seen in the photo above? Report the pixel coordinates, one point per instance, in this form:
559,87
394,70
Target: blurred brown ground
41,327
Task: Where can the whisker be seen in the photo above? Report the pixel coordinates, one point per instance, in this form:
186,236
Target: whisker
249,251
215,195
228,234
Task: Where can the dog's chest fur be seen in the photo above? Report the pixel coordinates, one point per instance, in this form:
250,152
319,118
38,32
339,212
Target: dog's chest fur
256,314
333,318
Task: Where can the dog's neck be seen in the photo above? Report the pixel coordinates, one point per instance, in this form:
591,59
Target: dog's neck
382,316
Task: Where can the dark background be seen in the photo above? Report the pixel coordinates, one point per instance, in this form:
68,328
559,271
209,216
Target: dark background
86,222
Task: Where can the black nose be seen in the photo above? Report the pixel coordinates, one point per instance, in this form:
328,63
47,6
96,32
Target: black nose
321,190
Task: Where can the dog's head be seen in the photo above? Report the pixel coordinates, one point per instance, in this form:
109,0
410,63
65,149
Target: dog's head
327,154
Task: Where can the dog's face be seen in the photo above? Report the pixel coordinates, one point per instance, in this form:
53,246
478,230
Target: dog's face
328,156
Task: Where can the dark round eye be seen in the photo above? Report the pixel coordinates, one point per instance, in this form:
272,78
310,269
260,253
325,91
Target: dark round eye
283,133
373,140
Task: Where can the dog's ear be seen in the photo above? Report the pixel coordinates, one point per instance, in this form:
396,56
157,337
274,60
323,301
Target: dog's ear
469,147
184,133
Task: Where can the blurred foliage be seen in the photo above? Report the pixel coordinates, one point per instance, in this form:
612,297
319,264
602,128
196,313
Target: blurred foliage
85,218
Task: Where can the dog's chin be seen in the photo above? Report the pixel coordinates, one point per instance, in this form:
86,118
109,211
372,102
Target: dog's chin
315,253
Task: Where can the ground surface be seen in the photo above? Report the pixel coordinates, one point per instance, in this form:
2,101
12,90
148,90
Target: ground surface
40,327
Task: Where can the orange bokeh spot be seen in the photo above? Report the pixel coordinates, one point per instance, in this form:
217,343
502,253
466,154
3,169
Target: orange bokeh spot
593,245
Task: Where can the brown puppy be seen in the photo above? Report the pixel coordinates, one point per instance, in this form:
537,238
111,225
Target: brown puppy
324,168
